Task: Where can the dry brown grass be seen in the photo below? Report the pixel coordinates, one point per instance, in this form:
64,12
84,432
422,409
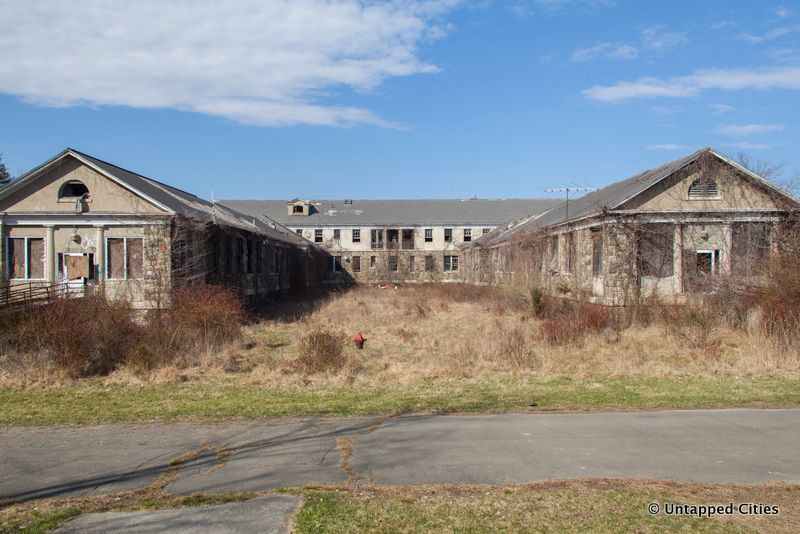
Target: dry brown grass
426,334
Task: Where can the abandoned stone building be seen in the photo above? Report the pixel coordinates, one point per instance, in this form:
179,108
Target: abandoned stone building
667,233
392,240
76,224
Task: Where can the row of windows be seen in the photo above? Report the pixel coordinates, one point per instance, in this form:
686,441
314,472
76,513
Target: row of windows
27,256
405,237
449,263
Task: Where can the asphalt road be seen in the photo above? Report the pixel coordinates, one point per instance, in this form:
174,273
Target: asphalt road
736,445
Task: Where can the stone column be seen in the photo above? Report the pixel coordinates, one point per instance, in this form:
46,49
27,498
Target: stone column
100,254
50,263
677,258
725,253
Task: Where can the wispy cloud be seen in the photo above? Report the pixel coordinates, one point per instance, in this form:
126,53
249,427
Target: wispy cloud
255,62
526,7
783,12
667,146
744,145
770,35
658,39
741,130
720,24
697,82
720,109
605,50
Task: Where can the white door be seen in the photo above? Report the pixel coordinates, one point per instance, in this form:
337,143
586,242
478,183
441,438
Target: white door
73,284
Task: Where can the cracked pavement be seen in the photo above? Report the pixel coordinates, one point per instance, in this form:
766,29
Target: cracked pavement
734,445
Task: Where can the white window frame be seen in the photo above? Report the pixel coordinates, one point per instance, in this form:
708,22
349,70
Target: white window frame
27,257
124,258
356,235
429,235
448,262
716,258
321,237
467,235
446,240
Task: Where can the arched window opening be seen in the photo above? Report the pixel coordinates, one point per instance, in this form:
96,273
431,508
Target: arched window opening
72,190
703,189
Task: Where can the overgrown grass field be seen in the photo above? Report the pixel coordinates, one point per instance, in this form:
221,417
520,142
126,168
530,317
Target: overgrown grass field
429,349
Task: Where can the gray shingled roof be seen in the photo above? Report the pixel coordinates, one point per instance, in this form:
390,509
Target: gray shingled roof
609,197
175,200
477,212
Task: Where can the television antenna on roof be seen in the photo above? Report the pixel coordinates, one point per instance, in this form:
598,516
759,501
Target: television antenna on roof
567,191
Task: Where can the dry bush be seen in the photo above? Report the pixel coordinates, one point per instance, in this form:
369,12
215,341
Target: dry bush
80,337
698,326
322,351
514,349
202,319
574,322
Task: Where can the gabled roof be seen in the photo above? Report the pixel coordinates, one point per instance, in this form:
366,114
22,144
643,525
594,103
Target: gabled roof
170,199
612,197
476,212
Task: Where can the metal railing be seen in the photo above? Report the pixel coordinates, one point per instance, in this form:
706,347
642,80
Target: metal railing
29,292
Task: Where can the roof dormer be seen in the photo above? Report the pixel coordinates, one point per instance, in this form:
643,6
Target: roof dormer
299,207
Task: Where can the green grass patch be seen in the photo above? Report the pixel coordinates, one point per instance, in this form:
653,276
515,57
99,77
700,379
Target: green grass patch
95,403
576,507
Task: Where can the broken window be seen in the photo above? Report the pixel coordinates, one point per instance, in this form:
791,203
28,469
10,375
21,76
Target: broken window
297,210
430,264
654,250
299,232
356,264
486,231
450,263
597,251
750,246
704,189
72,190
428,235
336,264
411,264
393,264
467,235
337,234
554,254
373,261
356,235
124,258
707,261
376,238
393,239
318,235
408,238
448,235
571,252
26,258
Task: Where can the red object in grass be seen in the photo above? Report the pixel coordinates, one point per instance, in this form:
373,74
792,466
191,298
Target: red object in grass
359,340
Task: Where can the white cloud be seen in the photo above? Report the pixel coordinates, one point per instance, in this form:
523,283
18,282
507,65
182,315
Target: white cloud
697,82
525,7
721,24
783,12
605,50
658,39
720,109
770,35
257,62
741,130
667,146
744,145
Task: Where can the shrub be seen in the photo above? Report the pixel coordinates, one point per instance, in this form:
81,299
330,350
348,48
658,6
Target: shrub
560,331
322,351
514,349
86,336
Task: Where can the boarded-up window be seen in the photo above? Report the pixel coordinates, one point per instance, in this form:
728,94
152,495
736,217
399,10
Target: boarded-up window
430,264
554,254
750,248
135,259
393,263
356,264
597,251
125,258
654,250
35,258
16,258
116,258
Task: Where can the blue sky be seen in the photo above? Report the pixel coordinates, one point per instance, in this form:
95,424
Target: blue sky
397,99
